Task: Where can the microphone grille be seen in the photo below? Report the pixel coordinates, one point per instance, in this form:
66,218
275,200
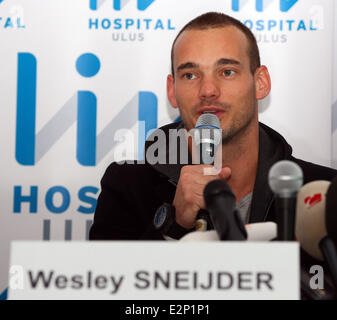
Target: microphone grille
285,178
209,120
208,126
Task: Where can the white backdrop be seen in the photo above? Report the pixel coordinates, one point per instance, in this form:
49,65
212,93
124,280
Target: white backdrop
334,95
72,72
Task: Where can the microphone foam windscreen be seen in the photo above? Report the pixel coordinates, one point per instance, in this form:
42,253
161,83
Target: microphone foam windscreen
331,210
217,187
310,225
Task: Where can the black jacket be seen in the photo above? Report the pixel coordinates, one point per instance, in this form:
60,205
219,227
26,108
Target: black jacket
131,193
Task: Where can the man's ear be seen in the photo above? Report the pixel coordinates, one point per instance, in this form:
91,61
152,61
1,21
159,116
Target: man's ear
171,95
262,82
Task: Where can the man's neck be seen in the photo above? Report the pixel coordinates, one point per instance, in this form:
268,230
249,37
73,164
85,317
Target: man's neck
241,155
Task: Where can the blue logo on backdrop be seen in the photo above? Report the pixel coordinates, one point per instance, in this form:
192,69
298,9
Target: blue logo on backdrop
274,30
119,4
80,108
127,28
15,19
261,5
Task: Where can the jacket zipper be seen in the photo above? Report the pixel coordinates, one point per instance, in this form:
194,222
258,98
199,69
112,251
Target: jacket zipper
269,206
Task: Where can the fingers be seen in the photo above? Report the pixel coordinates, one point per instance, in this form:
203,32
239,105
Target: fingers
225,173
189,198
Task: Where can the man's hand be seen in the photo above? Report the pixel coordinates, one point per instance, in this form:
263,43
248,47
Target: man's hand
189,199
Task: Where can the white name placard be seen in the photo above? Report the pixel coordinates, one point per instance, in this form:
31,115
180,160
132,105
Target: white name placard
141,270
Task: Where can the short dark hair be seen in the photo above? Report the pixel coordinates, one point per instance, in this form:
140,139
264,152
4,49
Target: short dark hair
212,20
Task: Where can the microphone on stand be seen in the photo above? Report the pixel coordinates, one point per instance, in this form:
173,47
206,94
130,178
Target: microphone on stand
221,205
207,136
285,179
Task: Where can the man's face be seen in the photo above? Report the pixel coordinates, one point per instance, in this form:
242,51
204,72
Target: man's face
212,74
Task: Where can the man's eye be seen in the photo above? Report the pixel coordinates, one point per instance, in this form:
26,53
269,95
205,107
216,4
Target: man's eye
228,73
189,76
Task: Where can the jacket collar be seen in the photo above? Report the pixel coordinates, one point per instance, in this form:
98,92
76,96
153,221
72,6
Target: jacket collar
272,148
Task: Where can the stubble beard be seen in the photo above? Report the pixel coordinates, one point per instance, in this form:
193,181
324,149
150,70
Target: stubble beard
239,126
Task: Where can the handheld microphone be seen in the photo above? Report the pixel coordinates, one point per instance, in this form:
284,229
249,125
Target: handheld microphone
285,179
207,136
221,205
316,228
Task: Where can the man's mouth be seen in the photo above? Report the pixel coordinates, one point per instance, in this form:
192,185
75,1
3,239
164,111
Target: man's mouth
213,110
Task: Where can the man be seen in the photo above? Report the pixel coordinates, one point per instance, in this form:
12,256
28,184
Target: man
215,68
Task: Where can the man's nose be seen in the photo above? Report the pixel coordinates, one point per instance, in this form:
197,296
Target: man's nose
209,89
